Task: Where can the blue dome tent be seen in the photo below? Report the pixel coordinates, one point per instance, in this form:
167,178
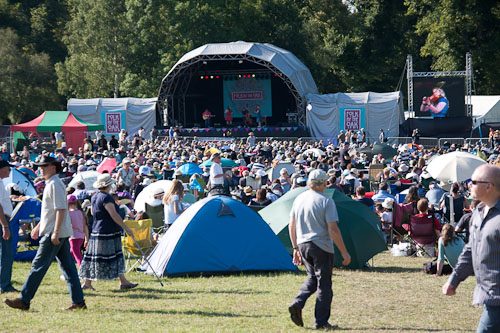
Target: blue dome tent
25,211
218,234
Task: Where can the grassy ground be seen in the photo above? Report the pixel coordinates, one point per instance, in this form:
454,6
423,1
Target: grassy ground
394,296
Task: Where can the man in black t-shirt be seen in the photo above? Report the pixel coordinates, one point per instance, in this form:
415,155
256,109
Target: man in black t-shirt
344,155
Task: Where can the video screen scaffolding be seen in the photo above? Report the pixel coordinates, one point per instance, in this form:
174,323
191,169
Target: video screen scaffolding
439,94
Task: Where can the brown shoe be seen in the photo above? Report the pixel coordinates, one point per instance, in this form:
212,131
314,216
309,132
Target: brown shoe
17,303
296,315
128,286
76,306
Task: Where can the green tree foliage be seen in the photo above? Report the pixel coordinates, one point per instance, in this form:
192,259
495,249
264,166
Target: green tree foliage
25,87
98,39
452,27
118,48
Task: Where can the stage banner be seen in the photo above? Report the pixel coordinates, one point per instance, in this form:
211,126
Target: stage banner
246,94
113,121
352,119
439,97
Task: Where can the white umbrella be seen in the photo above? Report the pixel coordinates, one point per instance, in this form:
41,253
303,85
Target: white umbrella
87,177
146,194
315,151
454,167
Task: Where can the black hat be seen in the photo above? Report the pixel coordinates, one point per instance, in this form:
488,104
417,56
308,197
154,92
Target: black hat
4,163
46,160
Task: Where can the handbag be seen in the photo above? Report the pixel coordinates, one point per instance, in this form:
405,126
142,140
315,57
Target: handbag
430,267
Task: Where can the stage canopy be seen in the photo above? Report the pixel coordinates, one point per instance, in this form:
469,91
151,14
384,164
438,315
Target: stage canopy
59,121
237,56
328,114
117,113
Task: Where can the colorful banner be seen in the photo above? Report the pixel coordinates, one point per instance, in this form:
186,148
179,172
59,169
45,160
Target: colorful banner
247,93
352,119
113,121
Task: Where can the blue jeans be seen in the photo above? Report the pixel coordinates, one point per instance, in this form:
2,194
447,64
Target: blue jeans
319,266
490,320
44,257
6,261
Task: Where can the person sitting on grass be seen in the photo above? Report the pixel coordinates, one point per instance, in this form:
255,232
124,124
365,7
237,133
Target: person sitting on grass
260,199
449,247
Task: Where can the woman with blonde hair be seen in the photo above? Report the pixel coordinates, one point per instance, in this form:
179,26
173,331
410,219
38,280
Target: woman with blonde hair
172,201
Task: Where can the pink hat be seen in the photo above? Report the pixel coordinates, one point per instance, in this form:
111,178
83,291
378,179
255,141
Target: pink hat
71,198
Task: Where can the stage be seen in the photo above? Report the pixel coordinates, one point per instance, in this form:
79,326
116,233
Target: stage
240,132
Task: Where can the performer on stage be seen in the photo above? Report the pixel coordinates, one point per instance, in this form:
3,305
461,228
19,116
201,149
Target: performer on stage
247,116
257,115
437,104
228,116
206,115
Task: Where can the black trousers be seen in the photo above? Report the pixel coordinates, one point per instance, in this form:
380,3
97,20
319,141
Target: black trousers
319,265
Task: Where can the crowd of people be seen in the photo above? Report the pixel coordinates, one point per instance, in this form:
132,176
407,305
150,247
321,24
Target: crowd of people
240,168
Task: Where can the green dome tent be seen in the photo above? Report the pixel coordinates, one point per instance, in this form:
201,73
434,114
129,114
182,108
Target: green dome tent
359,225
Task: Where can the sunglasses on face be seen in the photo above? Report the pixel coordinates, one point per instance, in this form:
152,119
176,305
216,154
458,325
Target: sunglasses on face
476,182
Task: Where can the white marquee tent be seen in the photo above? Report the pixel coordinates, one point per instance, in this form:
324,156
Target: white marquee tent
325,113
139,112
485,109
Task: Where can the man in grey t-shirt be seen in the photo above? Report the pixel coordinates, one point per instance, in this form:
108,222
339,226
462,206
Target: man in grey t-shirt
54,230
313,230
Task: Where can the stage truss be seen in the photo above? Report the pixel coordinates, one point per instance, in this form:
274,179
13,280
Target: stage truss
172,95
467,74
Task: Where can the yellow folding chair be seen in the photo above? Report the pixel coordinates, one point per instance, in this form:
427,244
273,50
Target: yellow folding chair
140,245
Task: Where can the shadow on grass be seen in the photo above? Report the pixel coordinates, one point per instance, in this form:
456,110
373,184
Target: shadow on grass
399,329
393,269
197,313
159,290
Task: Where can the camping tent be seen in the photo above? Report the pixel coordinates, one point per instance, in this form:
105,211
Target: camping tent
26,211
59,121
359,225
274,172
218,234
328,114
129,113
17,177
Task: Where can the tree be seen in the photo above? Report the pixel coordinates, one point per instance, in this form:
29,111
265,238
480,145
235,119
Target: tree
25,88
97,40
451,28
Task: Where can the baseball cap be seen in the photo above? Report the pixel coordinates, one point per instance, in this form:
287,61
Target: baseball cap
318,175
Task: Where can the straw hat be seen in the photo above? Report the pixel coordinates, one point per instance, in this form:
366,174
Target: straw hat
248,190
388,203
103,181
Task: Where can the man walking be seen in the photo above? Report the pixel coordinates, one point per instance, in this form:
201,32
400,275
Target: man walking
6,249
55,230
481,255
313,226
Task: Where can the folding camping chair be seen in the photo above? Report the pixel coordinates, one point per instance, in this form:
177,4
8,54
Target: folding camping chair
421,231
142,245
156,214
374,172
400,216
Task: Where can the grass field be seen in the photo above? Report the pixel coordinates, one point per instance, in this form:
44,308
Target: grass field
394,296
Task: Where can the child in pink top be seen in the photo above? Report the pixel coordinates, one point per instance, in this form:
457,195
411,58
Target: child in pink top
80,229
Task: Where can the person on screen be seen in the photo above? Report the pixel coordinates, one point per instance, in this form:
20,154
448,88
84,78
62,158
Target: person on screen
437,104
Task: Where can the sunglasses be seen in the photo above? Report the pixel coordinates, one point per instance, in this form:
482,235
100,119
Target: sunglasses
475,182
